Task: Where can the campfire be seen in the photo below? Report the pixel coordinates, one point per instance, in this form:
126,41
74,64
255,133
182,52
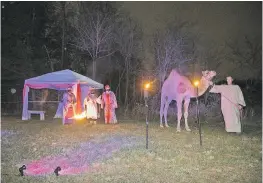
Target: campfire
80,116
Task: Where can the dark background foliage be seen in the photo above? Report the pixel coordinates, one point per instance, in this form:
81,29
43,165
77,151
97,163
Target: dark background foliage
102,41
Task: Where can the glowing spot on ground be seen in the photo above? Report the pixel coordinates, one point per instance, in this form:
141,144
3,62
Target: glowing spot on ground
82,158
7,133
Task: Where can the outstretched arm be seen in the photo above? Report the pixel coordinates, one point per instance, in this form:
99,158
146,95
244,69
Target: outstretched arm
216,89
74,99
114,100
85,103
64,98
98,100
102,101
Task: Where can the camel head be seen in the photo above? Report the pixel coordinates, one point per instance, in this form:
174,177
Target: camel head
208,75
205,81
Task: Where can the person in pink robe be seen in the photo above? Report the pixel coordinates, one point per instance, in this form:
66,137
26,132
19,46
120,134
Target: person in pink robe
69,101
232,103
90,106
109,103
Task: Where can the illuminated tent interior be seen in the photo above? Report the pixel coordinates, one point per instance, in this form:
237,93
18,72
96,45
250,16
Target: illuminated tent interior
60,80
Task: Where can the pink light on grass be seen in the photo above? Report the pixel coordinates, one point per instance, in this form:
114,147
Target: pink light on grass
79,160
74,170
47,166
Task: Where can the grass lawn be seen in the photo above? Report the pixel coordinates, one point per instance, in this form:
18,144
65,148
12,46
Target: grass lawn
171,157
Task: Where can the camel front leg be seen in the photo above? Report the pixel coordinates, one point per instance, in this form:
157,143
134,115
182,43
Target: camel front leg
186,105
161,120
179,114
167,103
161,114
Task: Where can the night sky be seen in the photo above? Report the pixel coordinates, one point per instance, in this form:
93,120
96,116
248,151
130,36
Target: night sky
215,22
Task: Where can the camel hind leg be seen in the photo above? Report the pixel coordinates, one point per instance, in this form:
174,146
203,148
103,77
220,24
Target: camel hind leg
179,113
166,106
186,105
163,110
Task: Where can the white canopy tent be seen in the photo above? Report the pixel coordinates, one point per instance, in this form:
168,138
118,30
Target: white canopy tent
59,80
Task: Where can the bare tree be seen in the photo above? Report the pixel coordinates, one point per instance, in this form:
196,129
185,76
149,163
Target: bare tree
94,28
172,48
128,44
51,61
57,31
246,54
213,58
63,4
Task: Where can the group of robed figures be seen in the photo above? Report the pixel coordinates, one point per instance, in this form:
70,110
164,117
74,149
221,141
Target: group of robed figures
232,103
107,101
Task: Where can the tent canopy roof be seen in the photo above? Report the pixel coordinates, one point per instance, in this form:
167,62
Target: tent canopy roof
64,77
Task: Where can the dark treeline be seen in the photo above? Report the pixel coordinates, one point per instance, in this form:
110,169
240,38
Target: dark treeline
100,40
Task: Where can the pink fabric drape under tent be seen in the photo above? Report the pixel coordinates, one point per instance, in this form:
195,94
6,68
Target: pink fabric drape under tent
84,91
59,80
79,102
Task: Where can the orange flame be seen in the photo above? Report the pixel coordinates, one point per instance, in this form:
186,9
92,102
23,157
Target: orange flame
147,86
80,116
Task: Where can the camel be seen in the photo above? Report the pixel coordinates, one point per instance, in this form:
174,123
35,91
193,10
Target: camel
179,88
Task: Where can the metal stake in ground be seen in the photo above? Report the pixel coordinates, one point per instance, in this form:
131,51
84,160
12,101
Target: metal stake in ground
146,96
147,124
196,83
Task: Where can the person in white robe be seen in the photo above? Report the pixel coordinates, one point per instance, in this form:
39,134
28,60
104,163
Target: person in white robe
91,107
232,103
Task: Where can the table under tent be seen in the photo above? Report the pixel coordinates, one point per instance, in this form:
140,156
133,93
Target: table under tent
60,81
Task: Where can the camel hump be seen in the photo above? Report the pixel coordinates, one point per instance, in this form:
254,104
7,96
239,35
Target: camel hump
173,74
175,71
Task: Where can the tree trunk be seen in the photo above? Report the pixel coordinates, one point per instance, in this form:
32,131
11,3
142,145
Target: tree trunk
33,25
117,89
127,84
63,33
93,69
32,40
134,90
120,78
49,60
120,93
141,97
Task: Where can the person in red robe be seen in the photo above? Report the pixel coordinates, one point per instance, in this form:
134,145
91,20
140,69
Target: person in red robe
109,103
69,101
